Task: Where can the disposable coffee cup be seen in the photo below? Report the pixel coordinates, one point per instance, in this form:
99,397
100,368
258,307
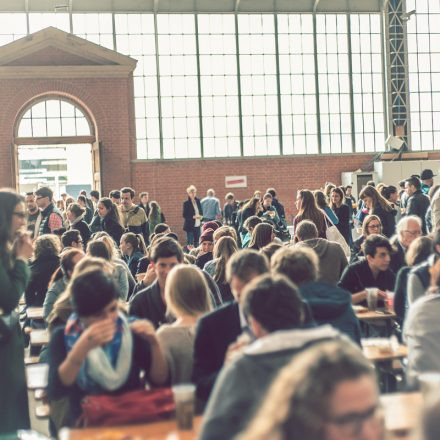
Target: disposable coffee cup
184,396
372,297
429,385
37,376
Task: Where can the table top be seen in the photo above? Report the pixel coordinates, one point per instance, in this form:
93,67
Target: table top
39,337
34,312
363,314
374,354
402,411
165,430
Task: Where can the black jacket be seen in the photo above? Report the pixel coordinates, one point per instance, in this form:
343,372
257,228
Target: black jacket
398,257
343,214
214,332
114,229
418,204
84,230
189,212
42,270
388,220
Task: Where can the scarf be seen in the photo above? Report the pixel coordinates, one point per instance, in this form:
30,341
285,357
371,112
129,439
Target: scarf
105,368
78,219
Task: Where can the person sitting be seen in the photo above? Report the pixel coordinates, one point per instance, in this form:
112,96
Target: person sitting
370,225
248,228
75,216
332,260
419,250
262,235
421,332
99,351
269,211
329,304
216,330
373,271
47,248
132,248
419,276
408,228
206,246
274,311
277,205
224,248
58,283
327,392
149,303
72,239
187,298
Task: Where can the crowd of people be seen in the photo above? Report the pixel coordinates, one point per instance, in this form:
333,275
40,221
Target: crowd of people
260,321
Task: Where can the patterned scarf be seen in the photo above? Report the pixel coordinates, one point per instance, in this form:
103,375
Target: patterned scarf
105,368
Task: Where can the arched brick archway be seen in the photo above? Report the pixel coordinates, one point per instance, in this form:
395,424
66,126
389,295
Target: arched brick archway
97,80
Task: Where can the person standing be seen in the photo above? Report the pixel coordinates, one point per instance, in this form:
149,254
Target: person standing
192,214
133,217
33,213
14,276
211,206
51,217
418,203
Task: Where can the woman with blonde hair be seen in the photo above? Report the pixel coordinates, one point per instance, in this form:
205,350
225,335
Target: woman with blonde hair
98,249
187,298
327,392
62,308
370,225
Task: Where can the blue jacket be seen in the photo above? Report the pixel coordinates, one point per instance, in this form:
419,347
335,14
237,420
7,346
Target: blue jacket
332,305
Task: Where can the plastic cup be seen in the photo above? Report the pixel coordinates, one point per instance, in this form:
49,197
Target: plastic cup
37,376
184,396
372,297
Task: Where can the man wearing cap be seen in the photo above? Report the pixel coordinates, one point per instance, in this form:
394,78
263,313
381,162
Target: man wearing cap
427,180
206,247
51,217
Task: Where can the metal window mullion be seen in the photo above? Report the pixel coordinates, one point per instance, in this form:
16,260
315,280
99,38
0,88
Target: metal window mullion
317,95
28,25
277,61
373,106
159,98
384,35
115,47
240,111
199,83
350,75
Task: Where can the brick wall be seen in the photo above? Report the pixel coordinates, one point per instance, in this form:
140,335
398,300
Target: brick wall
166,181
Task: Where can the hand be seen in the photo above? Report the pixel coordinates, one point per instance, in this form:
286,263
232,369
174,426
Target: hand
23,246
150,276
381,294
98,334
145,330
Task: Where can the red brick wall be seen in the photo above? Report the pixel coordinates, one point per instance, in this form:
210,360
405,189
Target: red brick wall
166,181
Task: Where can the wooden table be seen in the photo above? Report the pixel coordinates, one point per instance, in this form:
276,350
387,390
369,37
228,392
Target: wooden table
402,411
39,337
373,354
34,312
375,316
165,430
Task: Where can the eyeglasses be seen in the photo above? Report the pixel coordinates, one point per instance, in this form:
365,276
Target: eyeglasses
374,226
351,424
21,215
413,233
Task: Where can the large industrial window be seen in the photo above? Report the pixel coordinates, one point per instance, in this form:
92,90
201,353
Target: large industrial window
424,73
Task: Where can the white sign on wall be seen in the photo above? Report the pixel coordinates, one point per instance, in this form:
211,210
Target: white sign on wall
236,182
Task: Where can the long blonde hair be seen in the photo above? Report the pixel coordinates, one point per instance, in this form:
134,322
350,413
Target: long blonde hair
224,248
186,291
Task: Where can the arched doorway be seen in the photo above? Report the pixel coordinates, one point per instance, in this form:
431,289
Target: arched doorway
55,145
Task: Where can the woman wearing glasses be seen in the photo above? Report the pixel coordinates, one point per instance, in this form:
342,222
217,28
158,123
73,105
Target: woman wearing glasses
371,225
328,392
15,250
379,206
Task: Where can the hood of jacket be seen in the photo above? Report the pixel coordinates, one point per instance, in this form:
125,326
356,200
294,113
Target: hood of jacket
326,301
